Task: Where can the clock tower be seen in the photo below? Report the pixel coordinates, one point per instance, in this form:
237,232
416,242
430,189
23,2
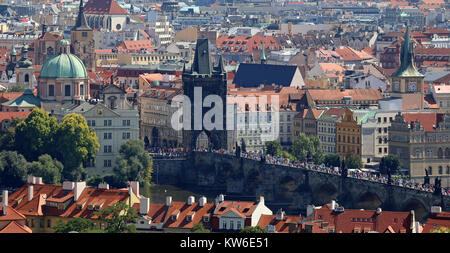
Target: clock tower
407,82
82,40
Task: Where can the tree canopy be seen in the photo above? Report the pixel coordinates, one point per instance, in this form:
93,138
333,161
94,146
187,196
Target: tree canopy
36,134
8,137
332,160
390,162
353,161
77,144
253,230
308,148
75,224
119,218
199,228
13,169
273,148
49,169
134,163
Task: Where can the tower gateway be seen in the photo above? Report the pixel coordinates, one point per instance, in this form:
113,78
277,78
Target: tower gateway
82,40
208,80
407,82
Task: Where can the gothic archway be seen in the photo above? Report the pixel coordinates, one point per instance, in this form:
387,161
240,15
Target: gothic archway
368,201
155,137
202,141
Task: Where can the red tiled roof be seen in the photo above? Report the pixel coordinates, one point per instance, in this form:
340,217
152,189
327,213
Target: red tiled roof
136,45
8,96
11,214
11,115
184,210
246,44
437,31
105,7
432,51
437,221
43,193
427,120
281,226
14,227
352,220
242,208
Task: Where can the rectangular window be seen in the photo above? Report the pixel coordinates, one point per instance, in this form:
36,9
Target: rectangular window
51,90
84,34
67,90
107,122
107,148
126,122
93,122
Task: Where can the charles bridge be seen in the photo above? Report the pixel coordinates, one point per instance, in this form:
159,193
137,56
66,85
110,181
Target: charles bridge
291,188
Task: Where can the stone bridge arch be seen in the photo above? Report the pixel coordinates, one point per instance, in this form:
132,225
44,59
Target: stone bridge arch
324,193
368,200
419,207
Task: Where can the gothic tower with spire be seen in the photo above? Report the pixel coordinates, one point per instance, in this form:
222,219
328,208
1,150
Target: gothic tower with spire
407,81
213,81
82,40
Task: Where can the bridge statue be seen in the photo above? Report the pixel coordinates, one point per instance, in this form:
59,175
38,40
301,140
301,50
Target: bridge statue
437,186
238,150
426,180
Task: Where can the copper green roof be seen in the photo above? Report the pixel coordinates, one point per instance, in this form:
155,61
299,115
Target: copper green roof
263,54
24,62
63,66
26,100
63,42
13,50
407,68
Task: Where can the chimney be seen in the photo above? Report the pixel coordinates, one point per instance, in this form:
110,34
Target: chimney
333,204
135,188
413,222
144,206
37,180
30,192
191,200
5,198
30,179
436,210
280,214
261,200
79,188
221,198
310,210
168,200
202,201
103,186
67,185
379,211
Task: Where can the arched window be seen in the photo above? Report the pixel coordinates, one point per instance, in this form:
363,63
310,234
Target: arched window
440,153
447,153
447,171
440,170
27,78
430,170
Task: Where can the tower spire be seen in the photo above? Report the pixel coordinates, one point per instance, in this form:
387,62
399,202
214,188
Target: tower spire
81,23
407,67
263,53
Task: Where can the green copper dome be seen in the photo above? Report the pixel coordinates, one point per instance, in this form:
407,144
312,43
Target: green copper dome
63,66
63,42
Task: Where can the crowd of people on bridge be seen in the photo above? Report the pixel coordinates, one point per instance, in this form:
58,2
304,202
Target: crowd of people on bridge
276,160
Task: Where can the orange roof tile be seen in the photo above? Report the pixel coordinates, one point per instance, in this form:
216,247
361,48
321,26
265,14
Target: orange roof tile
14,227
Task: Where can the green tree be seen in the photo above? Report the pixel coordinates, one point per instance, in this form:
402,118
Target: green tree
75,224
332,160
8,137
76,145
199,228
288,155
305,147
273,148
13,169
47,168
118,218
445,230
16,88
134,163
317,154
390,162
253,230
35,134
353,161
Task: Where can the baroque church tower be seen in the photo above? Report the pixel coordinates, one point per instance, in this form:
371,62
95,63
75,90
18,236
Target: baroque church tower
407,82
82,40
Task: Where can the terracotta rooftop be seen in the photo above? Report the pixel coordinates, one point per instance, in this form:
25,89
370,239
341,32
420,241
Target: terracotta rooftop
429,121
104,7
